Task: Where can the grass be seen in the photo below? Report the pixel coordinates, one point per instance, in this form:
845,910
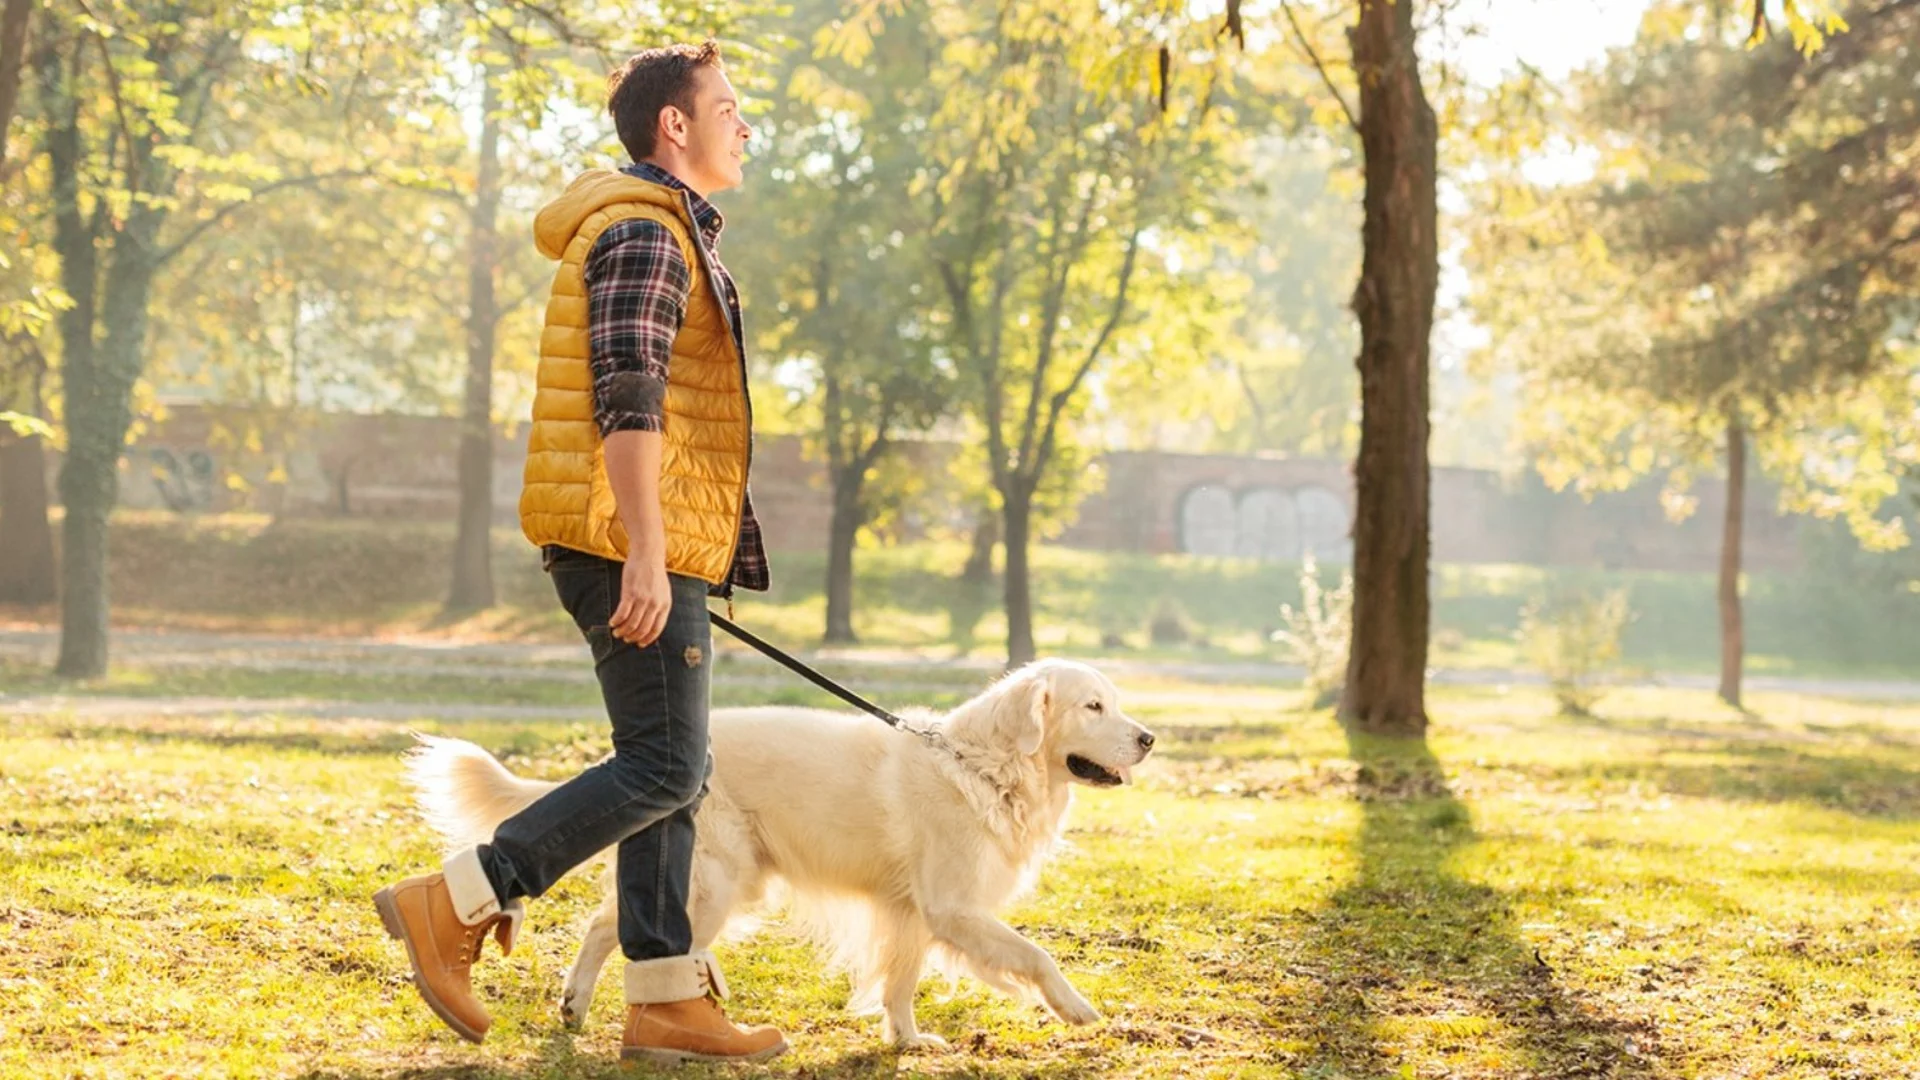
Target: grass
384,578
1669,890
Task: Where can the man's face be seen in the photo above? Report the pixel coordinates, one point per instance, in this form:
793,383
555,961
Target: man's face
716,137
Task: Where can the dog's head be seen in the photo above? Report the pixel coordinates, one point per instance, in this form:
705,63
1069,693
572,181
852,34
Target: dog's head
1070,713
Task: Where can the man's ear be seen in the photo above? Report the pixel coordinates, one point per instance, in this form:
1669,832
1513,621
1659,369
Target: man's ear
1031,721
672,125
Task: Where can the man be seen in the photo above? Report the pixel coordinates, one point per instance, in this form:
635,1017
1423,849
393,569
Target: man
636,491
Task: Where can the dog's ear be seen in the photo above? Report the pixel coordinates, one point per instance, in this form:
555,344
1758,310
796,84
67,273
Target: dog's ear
1031,721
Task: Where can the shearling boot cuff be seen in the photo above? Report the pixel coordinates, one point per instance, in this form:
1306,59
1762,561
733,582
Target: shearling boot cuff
674,978
467,885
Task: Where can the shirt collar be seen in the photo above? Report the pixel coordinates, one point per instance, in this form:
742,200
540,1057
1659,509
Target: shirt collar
705,214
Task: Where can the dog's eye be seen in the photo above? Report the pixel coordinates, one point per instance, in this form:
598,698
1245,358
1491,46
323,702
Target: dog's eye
1096,706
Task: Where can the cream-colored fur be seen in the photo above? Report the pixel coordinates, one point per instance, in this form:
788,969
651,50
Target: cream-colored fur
893,846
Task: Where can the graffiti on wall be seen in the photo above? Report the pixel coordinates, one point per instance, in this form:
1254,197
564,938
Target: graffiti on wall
182,479
1266,523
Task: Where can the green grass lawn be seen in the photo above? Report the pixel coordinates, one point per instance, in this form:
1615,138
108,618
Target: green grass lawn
334,577
1670,890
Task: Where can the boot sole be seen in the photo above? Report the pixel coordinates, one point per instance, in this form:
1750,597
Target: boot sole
663,1056
383,901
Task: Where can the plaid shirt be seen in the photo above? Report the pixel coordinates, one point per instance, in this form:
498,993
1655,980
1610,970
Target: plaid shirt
637,286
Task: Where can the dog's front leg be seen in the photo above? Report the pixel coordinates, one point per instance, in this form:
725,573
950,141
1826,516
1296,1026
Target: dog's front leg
602,936
1000,955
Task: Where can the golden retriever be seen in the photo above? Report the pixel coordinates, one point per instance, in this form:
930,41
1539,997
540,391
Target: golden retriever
894,845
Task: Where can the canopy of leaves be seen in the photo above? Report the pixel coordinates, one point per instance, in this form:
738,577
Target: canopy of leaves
1747,245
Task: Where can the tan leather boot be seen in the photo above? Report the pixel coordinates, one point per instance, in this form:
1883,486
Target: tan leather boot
443,919
674,1015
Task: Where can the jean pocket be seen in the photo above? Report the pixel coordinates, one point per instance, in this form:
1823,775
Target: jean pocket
583,592
601,642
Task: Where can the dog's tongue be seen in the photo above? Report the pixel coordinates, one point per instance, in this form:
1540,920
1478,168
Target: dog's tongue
1125,774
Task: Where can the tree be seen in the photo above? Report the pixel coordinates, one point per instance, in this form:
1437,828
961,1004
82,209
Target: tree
1062,202
1735,282
26,537
1399,274
129,93
839,272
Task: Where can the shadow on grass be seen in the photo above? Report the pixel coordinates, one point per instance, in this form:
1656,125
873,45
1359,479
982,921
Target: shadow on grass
1736,765
1414,963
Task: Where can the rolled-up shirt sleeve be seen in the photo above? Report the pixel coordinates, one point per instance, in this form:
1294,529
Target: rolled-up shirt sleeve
637,283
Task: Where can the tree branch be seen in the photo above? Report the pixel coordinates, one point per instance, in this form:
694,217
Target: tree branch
169,252
1059,402
1051,303
1306,44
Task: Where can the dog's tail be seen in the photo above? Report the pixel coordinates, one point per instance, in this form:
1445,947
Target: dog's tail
463,791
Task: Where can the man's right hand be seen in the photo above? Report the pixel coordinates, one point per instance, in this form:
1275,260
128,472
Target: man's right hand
645,600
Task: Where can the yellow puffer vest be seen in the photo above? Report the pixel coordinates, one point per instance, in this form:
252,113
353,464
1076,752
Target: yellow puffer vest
565,499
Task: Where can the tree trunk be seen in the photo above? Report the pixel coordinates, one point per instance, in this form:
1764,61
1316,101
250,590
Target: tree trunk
1018,520
99,410
986,535
1732,629
26,537
1386,667
13,51
848,516
472,588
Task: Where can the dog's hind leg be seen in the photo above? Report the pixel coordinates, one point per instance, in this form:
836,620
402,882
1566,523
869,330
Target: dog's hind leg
999,955
711,899
899,958
599,942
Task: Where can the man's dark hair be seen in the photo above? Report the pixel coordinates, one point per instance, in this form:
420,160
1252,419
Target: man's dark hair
650,81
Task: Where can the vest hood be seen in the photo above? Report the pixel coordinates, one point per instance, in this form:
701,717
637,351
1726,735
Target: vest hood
594,190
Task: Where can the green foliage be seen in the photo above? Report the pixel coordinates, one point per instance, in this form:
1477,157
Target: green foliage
1573,638
1284,380
1700,276
23,425
834,266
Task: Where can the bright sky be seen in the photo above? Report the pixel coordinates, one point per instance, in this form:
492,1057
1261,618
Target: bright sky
1555,36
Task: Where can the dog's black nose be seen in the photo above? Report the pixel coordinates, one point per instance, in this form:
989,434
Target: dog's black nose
1146,740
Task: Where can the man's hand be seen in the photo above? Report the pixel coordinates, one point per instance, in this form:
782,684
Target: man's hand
645,600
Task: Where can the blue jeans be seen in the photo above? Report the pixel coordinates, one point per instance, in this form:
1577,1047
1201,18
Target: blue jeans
642,798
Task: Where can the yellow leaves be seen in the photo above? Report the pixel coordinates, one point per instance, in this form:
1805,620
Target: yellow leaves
850,39
1593,248
1809,23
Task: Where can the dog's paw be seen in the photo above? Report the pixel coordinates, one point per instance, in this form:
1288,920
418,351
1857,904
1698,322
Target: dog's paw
922,1042
1074,1009
573,1017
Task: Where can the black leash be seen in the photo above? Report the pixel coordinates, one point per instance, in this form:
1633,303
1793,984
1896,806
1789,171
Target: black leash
773,652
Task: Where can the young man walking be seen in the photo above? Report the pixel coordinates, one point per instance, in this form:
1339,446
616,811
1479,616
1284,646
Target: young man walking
636,492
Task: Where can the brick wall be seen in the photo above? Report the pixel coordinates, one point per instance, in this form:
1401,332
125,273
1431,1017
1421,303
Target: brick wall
202,459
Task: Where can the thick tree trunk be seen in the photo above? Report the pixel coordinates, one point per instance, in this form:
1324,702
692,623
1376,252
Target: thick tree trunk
848,516
472,587
26,536
986,536
1732,628
1386,668
1017,518
13,51
99,410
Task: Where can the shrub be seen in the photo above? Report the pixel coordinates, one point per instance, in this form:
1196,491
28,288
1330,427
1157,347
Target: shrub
1573,638
1316,634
